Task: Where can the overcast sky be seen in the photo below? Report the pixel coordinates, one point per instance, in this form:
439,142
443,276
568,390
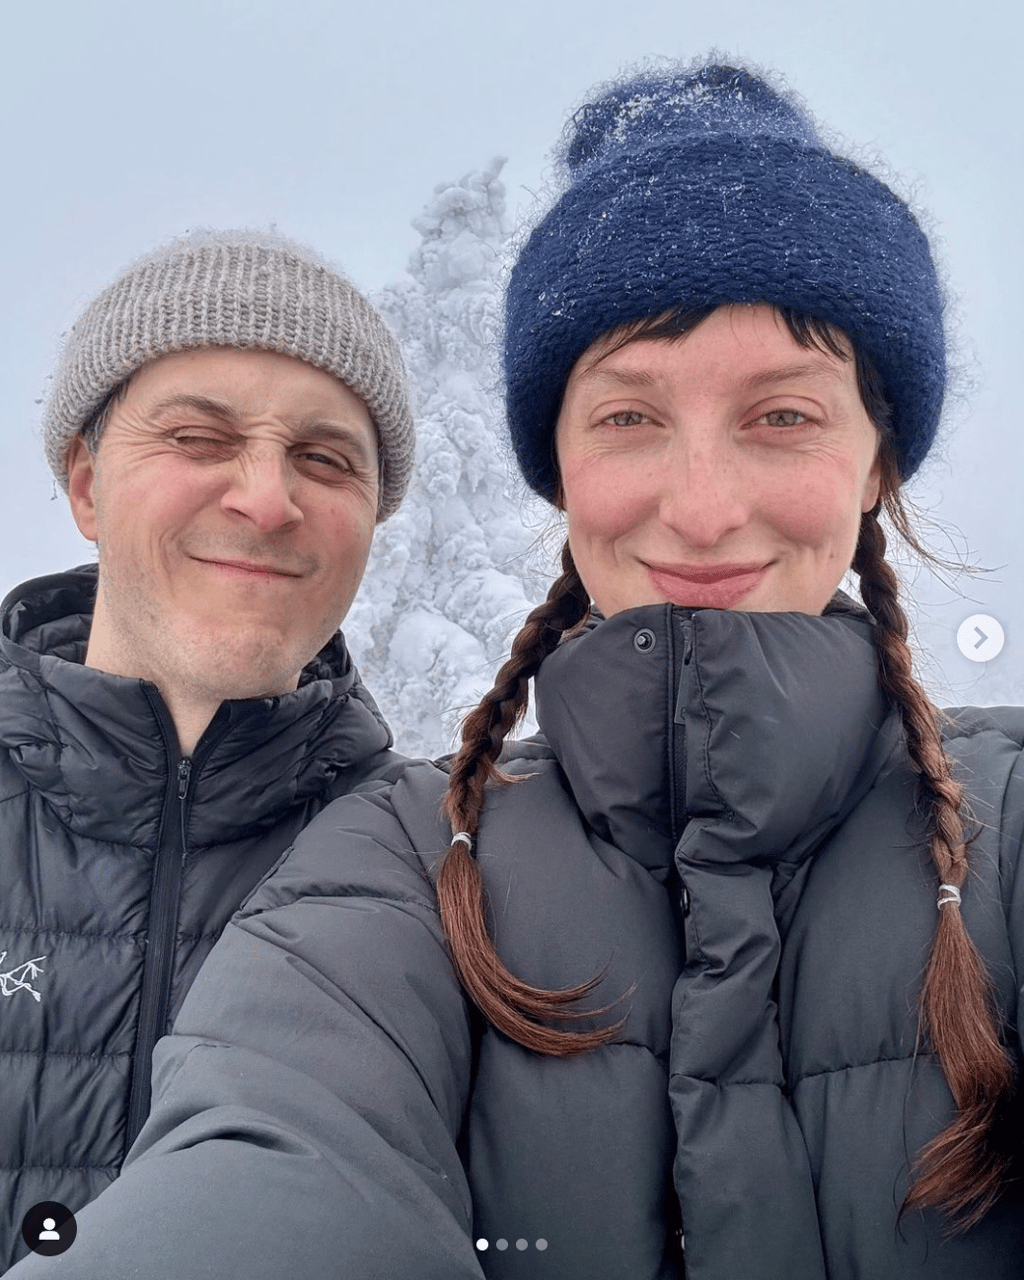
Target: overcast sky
125,122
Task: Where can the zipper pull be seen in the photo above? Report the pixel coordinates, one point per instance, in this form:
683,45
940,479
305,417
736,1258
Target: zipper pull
685,633
184,774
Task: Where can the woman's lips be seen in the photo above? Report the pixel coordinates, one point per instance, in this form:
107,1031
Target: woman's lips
717,588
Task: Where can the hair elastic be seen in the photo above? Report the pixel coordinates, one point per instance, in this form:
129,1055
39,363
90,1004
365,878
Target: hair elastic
465,837
953,894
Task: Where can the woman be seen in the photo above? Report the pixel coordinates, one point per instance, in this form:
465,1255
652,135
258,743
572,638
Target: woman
713,976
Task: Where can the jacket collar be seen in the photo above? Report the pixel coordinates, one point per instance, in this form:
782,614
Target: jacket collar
735,736
101,747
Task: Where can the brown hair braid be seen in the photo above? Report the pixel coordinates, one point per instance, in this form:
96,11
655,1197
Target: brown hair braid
519,1010
960,1170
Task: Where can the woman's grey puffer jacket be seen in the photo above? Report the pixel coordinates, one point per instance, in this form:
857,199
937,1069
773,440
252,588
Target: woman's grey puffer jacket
708,783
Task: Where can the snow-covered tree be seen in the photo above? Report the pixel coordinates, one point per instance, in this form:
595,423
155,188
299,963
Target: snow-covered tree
446,585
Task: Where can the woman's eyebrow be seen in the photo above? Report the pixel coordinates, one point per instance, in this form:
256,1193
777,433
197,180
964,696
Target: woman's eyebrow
760,378
622,377
793,373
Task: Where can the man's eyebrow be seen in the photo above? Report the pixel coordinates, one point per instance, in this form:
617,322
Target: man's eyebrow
315,429
311,429
195,404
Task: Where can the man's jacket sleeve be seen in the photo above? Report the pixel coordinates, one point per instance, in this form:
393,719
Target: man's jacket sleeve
308,1104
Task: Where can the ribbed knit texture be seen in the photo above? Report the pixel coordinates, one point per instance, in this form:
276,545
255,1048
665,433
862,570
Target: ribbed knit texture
246,289
691,189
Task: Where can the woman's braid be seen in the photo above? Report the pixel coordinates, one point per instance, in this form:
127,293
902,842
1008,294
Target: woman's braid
960,1170
513,1006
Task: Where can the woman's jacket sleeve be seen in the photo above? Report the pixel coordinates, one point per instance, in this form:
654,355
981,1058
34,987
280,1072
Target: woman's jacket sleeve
309,1101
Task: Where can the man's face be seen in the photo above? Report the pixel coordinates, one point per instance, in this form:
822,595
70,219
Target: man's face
233,497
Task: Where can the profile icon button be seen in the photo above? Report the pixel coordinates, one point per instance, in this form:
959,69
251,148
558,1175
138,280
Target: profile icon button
49,1228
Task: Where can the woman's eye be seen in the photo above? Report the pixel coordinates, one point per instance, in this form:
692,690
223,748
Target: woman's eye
626,418
783,418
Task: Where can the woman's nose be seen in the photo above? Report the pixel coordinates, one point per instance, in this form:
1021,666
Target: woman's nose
704,493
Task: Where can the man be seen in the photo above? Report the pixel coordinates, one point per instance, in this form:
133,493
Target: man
230,420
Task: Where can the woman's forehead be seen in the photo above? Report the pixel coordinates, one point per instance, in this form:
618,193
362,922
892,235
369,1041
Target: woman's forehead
753,340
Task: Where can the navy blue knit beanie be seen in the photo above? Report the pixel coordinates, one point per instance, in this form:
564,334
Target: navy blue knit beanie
694,188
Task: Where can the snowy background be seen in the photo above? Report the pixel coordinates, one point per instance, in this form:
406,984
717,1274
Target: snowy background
372,135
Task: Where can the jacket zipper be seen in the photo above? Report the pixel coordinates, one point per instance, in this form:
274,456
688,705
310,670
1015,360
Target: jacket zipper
680,676
161,944
679,742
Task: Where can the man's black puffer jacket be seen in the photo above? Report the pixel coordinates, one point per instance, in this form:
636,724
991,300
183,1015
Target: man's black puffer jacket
120,864
721,819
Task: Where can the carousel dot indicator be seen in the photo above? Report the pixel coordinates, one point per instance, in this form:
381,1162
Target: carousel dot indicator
483,1244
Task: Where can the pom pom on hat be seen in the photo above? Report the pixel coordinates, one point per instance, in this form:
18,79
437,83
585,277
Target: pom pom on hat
694,188
714,99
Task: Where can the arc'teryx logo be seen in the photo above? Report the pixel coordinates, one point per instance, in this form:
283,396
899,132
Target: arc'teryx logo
16,979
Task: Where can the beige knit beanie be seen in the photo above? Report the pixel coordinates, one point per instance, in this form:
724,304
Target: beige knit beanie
247,289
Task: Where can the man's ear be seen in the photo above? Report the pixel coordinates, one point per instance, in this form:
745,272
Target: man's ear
81,474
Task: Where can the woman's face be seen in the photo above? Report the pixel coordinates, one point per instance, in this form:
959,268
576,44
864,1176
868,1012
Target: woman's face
725,469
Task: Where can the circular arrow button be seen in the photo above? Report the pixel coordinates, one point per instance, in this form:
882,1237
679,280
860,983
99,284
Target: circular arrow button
980,638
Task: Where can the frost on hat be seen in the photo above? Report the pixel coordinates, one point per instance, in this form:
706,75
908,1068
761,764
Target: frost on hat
693,188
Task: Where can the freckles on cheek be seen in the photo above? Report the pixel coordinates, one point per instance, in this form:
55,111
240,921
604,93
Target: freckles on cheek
816,515
598,502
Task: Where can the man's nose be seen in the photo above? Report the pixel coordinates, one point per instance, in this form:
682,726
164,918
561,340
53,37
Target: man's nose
262,489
